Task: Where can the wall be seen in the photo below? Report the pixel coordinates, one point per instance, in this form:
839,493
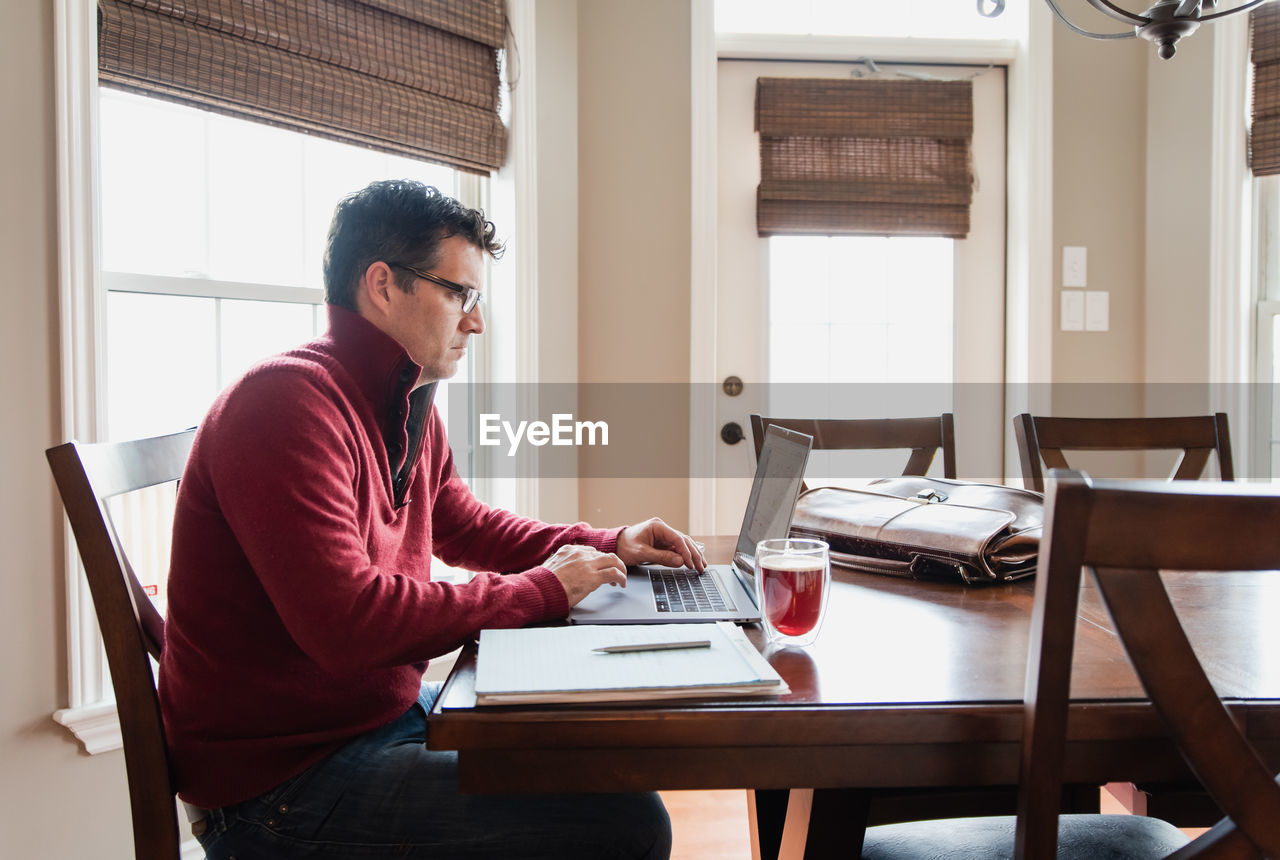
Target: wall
1131,183
55,801
1179,139
1099,147
633,257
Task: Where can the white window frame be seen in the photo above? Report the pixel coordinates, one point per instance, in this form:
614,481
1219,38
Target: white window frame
82,291
1233,341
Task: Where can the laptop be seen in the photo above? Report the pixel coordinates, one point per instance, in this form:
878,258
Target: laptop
656,594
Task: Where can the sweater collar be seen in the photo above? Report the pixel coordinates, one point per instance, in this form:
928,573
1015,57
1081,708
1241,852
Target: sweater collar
385,374
376,361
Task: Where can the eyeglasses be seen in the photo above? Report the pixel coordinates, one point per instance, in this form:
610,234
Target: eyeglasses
470,295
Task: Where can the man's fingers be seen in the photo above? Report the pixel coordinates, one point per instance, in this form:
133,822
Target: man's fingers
612,570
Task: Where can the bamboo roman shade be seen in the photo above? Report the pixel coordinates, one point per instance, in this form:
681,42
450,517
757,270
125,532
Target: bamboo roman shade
1264,135
864,157
414,77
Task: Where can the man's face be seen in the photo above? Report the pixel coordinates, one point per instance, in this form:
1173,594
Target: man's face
429,323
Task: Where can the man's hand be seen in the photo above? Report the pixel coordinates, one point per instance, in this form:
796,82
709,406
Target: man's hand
582,569
655,542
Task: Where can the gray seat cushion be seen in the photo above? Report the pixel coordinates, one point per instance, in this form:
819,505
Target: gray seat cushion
1087,837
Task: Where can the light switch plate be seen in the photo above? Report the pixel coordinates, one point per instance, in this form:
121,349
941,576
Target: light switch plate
1073,310
1074,266
1097,310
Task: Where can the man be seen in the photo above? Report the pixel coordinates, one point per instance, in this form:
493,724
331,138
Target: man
302,612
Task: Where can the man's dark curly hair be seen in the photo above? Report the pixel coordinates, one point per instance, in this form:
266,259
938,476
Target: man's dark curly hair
396,221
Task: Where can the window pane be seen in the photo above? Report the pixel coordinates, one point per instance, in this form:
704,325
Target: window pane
255,203
946,19
144,525
153,186
161,373
252,331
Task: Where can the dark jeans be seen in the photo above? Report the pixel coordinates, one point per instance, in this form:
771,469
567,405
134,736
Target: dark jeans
386,795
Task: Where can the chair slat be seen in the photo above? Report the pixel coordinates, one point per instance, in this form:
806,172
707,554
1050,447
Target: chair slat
924,437
1042,439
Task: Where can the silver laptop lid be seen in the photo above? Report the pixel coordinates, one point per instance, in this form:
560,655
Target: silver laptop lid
779,476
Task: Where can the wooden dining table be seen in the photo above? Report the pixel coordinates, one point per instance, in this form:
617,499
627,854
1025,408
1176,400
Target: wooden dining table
910,684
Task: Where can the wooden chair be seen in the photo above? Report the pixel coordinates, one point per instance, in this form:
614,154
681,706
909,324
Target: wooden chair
87,476
924,436
1125,533
1043,439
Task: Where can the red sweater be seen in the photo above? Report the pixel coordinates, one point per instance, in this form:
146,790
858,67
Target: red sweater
301,607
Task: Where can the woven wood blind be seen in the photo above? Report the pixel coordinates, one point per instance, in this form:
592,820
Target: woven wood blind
864,157
1264,134
413,77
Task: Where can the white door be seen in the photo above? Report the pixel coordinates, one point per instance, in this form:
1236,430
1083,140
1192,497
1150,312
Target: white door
856,327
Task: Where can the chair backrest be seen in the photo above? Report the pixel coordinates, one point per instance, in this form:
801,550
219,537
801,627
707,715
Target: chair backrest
924,436
1043,439
133,631
1125,533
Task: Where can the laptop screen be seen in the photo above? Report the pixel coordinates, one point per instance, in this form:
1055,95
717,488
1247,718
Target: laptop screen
779,474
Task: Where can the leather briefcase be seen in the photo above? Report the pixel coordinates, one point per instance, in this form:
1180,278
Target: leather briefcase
927,528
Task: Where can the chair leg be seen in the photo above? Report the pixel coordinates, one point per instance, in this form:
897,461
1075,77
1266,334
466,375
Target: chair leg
808,824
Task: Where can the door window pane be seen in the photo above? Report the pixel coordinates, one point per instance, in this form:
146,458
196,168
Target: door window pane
860,309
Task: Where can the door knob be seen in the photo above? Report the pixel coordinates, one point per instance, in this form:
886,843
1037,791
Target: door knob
732,433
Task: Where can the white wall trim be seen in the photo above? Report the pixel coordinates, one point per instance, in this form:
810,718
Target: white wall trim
97,726
1029,256
1232,295
524,189
702,268
82,346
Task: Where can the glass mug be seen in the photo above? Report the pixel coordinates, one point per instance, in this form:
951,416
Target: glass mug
793,579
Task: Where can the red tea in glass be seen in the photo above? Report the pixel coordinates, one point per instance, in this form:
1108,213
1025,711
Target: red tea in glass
793,577
792,593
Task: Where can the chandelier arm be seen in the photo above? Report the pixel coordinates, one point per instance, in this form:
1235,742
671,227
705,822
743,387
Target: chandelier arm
1063,18
1111,10
1234,9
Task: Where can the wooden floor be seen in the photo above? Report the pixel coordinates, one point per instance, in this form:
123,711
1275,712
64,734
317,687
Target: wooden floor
712,825
708,825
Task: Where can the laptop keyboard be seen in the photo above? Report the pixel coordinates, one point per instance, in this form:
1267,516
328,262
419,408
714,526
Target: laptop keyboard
688,591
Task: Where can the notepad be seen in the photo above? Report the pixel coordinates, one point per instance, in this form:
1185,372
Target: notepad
561,664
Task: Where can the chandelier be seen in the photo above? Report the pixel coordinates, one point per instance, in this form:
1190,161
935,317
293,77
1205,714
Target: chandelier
1164,23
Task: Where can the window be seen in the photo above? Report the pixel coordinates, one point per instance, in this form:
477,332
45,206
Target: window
856,309
925,19
213,233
